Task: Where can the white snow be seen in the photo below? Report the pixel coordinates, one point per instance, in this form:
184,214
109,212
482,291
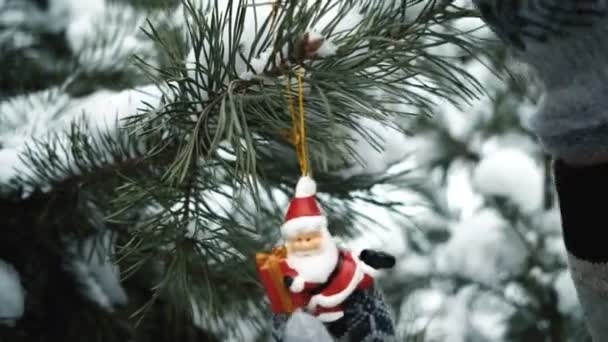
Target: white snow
483,249
81,17
550,221
459,124
386,235
441,317
259,14
386,148
488,314
555,246
460,193
32,114
97,273
46,115
512,174
11,164
257,64
12,294
348,22
425,148
510,140
451,322
414,265
548,227
468,315
568,303
419,308
105,35
105,110
526,112
327,48
26,14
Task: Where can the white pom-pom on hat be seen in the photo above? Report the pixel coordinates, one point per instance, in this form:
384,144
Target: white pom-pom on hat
303,213
306,187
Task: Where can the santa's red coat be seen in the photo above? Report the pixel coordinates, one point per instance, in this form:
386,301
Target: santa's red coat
350,274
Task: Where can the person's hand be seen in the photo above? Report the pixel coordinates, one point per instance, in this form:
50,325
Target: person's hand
564,43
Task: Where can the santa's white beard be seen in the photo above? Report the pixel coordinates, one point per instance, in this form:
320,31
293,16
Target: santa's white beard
315,267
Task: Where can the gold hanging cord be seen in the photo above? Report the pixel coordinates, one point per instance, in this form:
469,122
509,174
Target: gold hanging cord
298,130
299,122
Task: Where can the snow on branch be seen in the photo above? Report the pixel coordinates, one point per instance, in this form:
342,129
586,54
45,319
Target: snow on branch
63,126
483,248
12,294
92,265
512,174
105,35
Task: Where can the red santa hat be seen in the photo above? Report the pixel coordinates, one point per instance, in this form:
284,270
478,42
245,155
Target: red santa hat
304,213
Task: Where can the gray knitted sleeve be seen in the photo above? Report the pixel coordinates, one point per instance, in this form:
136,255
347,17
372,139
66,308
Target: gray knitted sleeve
565,42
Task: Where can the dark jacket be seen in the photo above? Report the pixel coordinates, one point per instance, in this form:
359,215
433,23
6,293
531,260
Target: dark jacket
584,210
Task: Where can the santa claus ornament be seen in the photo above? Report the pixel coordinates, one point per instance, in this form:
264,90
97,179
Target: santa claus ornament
309,274
332,284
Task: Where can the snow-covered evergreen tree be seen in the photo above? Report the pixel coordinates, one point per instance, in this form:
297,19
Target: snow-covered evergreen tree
145,154
144,160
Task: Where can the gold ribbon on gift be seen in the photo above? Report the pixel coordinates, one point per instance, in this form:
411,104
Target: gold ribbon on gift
270,263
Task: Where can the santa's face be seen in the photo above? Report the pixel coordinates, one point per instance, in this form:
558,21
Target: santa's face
305,243
314,256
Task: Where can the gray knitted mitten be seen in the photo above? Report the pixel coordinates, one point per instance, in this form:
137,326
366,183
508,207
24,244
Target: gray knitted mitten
565,43
300,327
367,318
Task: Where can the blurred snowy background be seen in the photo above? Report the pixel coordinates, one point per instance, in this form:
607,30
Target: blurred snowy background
477,235
484,259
